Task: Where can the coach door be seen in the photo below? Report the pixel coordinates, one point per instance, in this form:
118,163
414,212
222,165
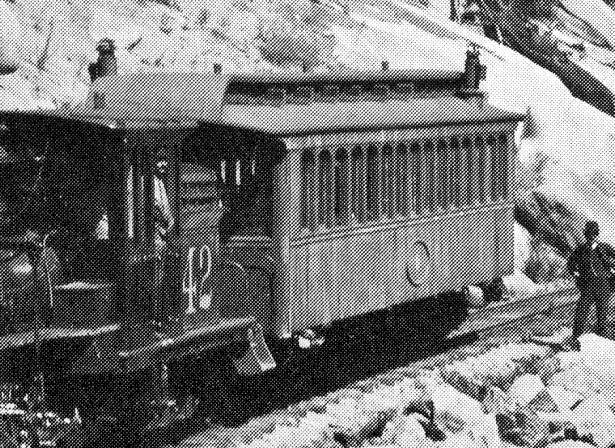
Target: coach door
200,212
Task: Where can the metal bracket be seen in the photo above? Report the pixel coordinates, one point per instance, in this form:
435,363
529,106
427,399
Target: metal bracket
257,358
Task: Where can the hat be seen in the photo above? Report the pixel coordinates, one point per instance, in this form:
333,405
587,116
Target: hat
591,228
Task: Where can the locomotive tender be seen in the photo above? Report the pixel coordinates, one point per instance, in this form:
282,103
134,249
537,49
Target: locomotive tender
174,215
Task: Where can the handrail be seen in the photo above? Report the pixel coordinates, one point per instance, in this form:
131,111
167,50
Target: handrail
22,243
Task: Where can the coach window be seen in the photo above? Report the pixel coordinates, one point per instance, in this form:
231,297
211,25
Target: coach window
455,173
388,182
357,182
308,188
468,172
480,183
401,180
491,156
372,183
429,187
341,207
442,174
325,188
415,178
503,150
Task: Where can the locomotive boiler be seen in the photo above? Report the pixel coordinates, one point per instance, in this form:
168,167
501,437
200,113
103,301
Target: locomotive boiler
196,216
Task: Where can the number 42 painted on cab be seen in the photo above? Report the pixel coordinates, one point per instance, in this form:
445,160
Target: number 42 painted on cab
196,273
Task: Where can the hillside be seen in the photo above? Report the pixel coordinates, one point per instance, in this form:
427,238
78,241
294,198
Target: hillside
566,169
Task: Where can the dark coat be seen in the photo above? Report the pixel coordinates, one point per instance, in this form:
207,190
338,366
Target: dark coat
591,263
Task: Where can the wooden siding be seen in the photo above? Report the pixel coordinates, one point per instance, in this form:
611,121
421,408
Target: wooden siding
356,272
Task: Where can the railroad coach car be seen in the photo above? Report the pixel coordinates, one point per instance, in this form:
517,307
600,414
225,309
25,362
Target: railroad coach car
172,216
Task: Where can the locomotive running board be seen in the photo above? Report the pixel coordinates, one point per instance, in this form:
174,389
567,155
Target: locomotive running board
243,336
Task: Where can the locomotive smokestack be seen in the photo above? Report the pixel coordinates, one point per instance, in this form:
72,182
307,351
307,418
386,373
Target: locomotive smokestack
106,65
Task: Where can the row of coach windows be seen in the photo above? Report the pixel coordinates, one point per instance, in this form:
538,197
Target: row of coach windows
374,182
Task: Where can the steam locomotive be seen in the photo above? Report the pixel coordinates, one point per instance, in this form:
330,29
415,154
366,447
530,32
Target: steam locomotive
176,217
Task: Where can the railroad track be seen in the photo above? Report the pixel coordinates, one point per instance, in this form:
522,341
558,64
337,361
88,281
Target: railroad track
361,364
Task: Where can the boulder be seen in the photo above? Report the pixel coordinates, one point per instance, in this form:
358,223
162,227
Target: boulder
578,379
497,401
464,380
474,296
361,426
519,285
525,388
594,417
454,410
485,432
545,216
404,431
598,355
564,399
542,402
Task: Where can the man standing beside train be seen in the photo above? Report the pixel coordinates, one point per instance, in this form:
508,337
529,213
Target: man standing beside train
590,265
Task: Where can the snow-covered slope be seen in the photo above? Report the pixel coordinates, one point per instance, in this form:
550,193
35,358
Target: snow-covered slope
52,41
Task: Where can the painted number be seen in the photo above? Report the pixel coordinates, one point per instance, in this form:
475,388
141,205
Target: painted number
196,274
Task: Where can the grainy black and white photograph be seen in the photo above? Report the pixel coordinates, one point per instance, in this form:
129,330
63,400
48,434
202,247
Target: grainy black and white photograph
307,223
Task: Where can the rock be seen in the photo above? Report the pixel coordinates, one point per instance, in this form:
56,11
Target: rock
542,402
525,388
361,427
404,431
474,296
578,379
570,444
497,401
544,264
547,367
460,440
564,399
594,417
598,355
454,410
485,432
542,215
519,285
532,429
465,382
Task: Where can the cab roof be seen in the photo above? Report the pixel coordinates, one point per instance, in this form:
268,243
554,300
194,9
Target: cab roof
282,103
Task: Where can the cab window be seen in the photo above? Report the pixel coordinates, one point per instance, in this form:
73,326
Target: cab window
243,184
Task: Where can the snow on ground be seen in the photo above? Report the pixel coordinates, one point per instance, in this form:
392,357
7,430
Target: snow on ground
517,394
52,42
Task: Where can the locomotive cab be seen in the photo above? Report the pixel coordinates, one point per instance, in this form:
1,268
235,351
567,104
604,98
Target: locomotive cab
122,230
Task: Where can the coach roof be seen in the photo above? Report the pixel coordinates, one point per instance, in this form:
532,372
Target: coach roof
257,101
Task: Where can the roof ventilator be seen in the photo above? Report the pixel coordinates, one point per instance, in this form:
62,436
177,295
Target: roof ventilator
474,73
